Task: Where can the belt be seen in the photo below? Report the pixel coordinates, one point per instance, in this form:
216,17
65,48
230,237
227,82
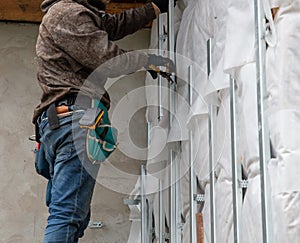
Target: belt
82,101
66,105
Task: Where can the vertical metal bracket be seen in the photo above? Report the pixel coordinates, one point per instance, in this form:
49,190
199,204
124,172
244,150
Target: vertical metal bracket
264,144
193,203
175,214
161,40
144,228
211,131
237,193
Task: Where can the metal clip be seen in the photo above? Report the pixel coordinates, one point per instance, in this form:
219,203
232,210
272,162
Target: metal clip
163,37
243,183
199,198
130,201
96,225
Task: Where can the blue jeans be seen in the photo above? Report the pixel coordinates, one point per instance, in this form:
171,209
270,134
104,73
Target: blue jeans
72,177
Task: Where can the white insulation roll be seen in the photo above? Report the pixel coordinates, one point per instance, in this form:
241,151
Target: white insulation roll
231,26
284,108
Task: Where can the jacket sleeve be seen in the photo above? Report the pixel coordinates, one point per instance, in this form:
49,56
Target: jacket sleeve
129,21
80,37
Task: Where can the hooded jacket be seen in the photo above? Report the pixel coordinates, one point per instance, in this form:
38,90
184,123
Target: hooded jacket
75,38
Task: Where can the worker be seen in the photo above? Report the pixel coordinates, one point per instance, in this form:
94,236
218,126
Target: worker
75,38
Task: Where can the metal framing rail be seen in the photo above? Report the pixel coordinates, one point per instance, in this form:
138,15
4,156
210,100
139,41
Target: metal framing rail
161,39
193,203
161,209
211,133
174,168
264,144
144,227
237,191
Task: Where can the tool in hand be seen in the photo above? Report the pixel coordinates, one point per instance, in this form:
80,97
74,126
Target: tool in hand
164,74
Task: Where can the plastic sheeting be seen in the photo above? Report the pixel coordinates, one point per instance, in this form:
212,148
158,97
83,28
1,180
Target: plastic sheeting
231,24
284,102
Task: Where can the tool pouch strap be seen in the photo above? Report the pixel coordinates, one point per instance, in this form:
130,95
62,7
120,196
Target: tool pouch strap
41,164
37,132
101,141
52,117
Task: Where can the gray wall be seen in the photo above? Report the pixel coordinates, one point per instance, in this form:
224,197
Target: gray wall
23,212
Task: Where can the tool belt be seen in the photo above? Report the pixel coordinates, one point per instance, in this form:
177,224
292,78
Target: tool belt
101,138
64,107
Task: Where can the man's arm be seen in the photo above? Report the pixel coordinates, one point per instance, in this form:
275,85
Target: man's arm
119,25
129,21
90,46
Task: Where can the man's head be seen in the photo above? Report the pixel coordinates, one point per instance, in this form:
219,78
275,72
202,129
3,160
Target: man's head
99,4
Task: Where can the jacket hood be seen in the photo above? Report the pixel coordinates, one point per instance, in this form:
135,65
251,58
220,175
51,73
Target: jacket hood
94,5
47,4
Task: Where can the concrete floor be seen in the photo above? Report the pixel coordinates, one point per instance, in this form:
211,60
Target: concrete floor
23,212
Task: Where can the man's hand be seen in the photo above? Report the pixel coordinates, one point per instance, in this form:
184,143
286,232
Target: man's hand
163,5
159,61
155,61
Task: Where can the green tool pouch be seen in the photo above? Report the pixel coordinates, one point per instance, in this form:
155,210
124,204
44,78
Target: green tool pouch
101,141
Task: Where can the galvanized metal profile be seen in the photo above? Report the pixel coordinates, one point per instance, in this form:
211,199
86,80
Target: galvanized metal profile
179,226
171,49
150,229
161,40
211,134
171,30
149,127
174,211
144,228
161,209
172,191
212,112
237,193
264,144
192,188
